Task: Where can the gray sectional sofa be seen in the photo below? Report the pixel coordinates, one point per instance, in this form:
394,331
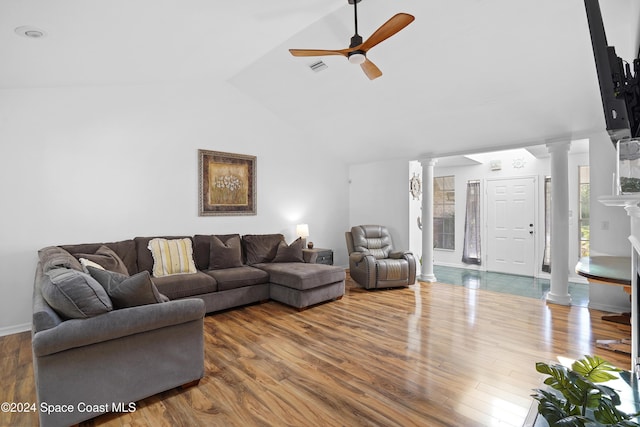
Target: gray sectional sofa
107,332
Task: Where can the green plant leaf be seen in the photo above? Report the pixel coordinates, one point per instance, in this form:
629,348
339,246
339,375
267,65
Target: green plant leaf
609,415
595,369
610,393
572,386
580,389
556,411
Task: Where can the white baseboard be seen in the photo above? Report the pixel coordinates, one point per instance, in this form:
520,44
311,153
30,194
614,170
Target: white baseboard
459,265
10,330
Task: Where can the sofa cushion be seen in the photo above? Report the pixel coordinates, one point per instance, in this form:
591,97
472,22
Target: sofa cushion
125,249
106,258
185,285
232,278
225,252
302,275
128,291
74,294
172,256
289,253
56,257
261,247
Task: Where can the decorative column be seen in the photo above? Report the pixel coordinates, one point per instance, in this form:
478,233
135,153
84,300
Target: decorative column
559,293
426,269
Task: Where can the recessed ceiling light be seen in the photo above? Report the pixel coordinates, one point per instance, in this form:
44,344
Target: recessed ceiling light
30,32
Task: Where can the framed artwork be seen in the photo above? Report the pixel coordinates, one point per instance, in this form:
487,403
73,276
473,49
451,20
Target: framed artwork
227,183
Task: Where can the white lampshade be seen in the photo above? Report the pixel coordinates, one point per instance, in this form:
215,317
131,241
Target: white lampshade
302,230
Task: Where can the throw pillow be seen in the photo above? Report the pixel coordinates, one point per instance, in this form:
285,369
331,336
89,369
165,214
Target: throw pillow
225,254
261,247
128,291
55,257
86,263
172,256
290,253
107,259
74,294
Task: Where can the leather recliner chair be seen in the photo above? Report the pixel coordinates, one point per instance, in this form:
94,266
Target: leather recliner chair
373,262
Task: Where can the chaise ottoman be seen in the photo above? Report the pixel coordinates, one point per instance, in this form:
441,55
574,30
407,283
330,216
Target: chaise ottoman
301,284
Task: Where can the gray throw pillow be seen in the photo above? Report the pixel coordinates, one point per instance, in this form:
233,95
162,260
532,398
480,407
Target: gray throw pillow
225,254
74,294
261,247
106,258
289,253
128,291
55,257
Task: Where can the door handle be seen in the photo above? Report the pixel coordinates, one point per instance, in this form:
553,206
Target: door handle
531,232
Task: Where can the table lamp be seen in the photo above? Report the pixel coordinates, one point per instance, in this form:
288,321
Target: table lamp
302,231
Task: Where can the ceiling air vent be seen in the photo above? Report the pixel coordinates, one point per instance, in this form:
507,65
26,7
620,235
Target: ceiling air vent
318,66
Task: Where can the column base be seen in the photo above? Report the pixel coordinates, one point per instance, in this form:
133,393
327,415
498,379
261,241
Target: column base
427,278
559,299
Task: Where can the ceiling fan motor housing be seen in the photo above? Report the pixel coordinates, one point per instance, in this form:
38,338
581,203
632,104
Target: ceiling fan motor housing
356,40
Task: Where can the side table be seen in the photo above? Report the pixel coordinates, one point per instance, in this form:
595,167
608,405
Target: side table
318,256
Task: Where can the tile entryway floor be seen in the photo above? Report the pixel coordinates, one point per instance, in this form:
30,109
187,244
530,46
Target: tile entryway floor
507,283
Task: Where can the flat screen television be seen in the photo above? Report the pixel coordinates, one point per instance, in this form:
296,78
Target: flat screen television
619,86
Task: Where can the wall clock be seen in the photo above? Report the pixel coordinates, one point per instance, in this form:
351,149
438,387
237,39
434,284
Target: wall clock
415,186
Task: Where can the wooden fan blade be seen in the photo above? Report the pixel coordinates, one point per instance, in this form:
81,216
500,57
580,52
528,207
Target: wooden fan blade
370,69
386,30
317,52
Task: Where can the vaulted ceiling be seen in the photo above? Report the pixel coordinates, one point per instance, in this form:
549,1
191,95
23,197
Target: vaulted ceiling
466,76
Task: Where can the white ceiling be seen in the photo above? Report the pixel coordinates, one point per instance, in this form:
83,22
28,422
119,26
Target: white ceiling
466,76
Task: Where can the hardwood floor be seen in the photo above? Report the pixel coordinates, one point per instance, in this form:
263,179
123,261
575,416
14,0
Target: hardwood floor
430,355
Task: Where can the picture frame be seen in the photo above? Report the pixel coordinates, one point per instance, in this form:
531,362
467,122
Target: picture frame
227,183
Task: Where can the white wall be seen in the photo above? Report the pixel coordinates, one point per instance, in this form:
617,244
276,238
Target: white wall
379,194
621,20
97,164
610,226
533,167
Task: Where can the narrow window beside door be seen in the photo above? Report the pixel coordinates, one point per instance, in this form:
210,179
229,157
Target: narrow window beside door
444,208
546,259
471,250
583,215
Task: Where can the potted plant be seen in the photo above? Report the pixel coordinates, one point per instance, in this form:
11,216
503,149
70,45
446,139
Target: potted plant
577,396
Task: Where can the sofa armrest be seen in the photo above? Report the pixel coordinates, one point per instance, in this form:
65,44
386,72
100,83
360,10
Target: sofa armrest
362,268
116,324
399,254
358,256
309,257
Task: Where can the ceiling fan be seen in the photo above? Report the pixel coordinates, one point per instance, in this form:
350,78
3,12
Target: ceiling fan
356,53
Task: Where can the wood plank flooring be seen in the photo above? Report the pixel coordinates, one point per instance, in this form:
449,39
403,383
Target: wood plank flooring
429,355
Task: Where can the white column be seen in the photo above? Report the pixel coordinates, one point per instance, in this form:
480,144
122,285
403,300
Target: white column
426,269
559,293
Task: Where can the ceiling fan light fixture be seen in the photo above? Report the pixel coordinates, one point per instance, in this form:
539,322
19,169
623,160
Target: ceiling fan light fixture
357,58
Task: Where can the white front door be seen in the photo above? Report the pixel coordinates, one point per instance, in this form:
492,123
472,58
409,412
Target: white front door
510,226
